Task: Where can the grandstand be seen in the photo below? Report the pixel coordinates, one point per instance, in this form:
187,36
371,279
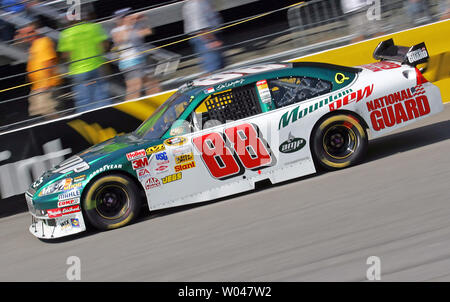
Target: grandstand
290,32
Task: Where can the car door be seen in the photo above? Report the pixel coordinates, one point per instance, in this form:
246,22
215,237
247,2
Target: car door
236,143
225,155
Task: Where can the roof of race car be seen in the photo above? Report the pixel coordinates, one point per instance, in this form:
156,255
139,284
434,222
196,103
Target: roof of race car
255,70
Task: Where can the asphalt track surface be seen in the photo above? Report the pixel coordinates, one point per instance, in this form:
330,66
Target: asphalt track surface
320,228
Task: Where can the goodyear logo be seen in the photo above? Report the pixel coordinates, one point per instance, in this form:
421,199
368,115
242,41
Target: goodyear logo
155,149
171,178
184,158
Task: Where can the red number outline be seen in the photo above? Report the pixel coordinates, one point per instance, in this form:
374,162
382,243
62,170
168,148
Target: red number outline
228,143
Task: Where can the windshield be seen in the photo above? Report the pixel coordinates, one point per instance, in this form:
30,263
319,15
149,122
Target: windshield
162,119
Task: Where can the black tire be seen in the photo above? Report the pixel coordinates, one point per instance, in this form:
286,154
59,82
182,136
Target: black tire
111,201
339,141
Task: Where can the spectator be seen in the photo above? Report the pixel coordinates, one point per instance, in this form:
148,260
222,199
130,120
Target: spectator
359,23
144,30
128,37
418,11
42,71
13,6
444,8
84,44
6,31
10,7
199,18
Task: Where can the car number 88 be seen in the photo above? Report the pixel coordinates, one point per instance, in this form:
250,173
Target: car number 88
228,154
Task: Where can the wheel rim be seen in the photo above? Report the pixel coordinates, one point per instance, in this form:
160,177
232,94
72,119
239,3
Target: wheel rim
340,141
111,201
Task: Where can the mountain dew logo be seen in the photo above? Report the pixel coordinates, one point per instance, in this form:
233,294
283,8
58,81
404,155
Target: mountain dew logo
293,144
296,113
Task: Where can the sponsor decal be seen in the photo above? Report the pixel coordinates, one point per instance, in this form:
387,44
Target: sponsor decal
209,90
352,97
175,141
65,224
292,144
162,169
72,186
56,187
151,183
184,158
68,202
417,55
67,182
182,150
79,178
161,158
55,213
264,91
398,107
155,149
140,163
136,154
105,168
171,178
340,78
186,166
75,222
70,210
141,173
295,114
379,66
69,195
230,84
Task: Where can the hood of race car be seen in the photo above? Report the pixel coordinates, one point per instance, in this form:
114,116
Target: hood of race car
110,146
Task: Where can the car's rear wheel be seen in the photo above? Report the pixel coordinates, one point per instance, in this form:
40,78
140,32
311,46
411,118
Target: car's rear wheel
339,141
111,201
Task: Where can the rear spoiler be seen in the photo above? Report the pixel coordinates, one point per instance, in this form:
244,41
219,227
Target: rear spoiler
412,56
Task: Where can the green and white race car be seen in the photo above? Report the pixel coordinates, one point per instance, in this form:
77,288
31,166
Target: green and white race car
219,135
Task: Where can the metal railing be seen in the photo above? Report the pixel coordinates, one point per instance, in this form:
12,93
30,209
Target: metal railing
311,29
318,19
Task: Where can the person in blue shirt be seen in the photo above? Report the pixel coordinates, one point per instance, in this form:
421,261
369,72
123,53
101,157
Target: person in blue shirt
7,30
13,6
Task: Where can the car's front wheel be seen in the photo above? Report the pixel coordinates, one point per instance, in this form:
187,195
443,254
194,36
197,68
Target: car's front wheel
111,201
339,141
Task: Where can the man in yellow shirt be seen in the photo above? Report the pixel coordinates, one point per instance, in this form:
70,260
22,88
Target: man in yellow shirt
42,73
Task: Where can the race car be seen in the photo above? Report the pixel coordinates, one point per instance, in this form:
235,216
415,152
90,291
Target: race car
222,134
